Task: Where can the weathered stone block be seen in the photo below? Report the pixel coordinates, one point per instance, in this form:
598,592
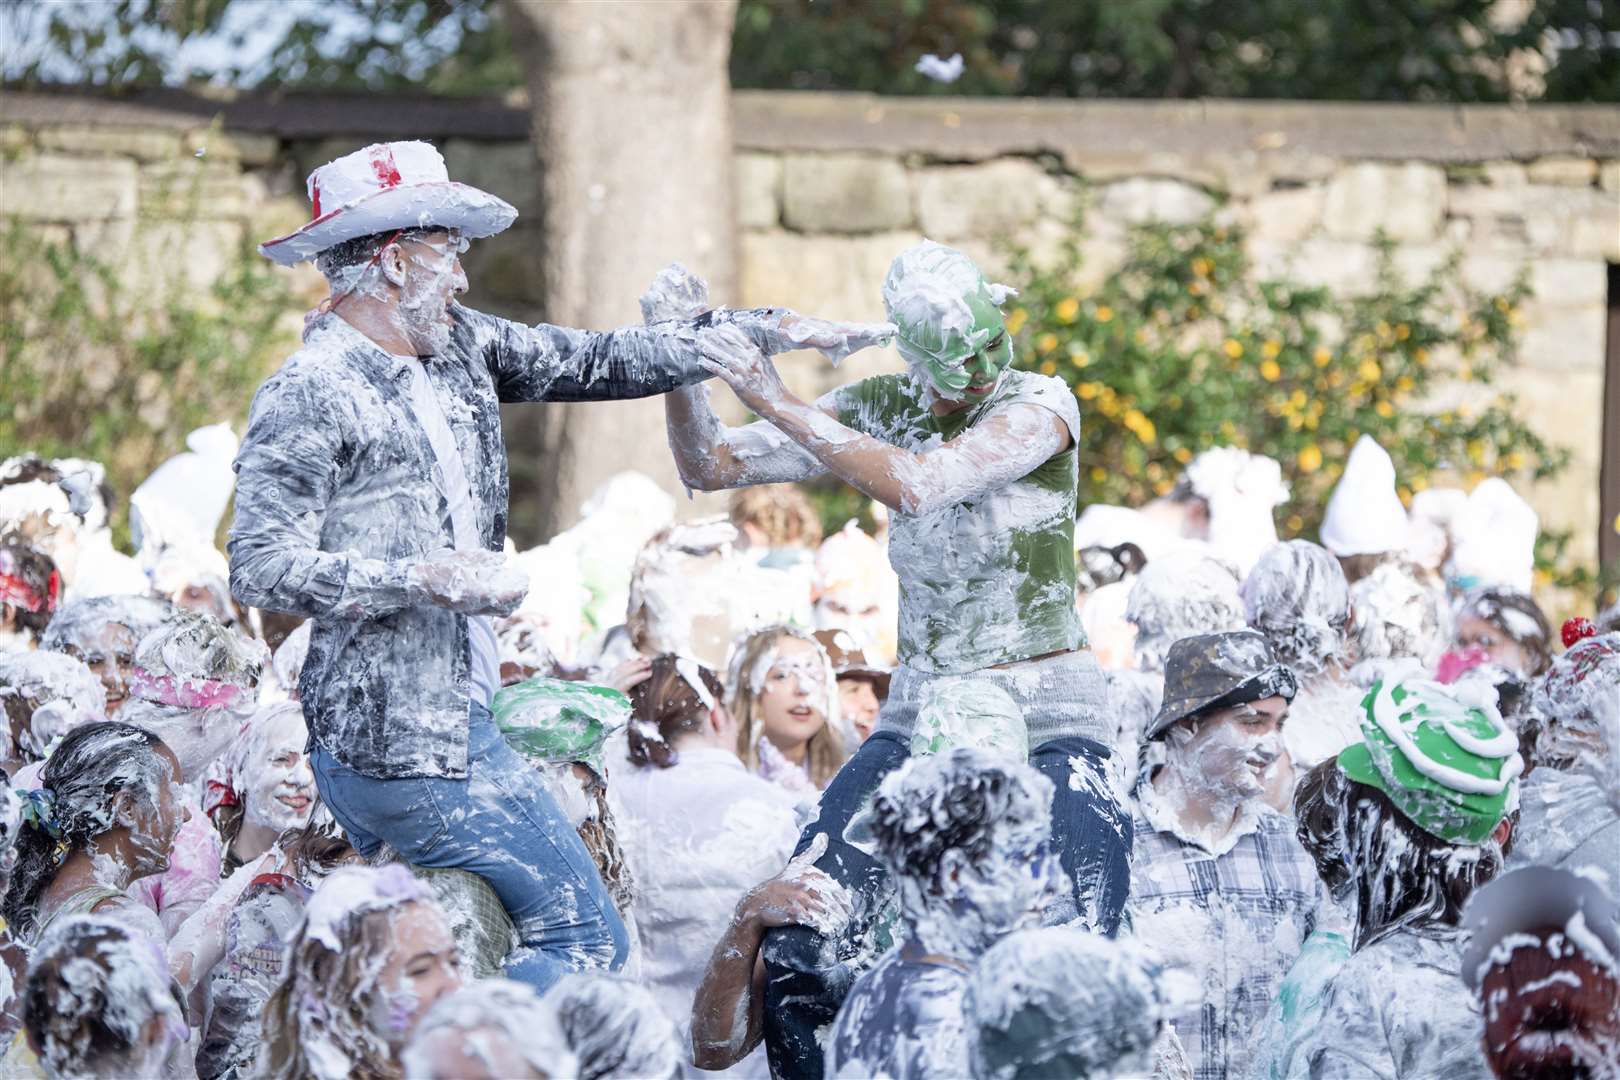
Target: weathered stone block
1563,171
1346,268
144,144
247,147
988,201
1560,337
759,191
1406,201
844,193
1287,215
1145,199
1491,273
507,169
189,187
1506,174
55,187
831,276
1609,176
1572,282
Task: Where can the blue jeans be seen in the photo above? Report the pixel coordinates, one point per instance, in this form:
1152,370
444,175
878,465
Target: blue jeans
500,823
808,977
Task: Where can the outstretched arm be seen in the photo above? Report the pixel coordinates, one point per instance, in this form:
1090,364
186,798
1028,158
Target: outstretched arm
713,457
1013,442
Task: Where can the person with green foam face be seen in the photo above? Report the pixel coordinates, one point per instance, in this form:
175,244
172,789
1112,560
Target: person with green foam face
978,464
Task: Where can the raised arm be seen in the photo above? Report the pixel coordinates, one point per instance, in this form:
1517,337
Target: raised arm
1010,444
713,457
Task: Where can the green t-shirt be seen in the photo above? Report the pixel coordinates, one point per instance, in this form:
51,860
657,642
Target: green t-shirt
990,580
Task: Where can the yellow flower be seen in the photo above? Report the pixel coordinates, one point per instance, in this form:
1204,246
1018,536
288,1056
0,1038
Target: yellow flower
1405,495
1228,429
1384,409
1140,426
1297,399
1197,288
1232,348
1475,479
1087,390
1098,474
1015,321
1294,523
1164,487
1323,356
1501,304
1046,343
1402,331
1104,313
1271,349
1310,459
1515,460
1421,355
1182,454
1269,370
1369,370
1476,451
1419,483
1048,367
1067,310
1202,266
1078,356
1404,384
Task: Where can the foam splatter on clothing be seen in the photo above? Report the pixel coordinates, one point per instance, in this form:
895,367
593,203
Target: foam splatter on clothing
1398,1010
192,876
1236,918
336,499
902,1020
988,580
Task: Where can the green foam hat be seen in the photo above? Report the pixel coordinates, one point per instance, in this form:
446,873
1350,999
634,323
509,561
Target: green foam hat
557,721
1442,754
944,310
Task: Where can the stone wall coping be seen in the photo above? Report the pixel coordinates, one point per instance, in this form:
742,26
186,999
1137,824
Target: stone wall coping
1081,132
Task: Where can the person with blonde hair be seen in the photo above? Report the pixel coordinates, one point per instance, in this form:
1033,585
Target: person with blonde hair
776,516
784,700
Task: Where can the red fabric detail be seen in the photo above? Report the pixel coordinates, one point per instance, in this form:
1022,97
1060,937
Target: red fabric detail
53,589
382,163
217,795
16,592
1576,629
315,197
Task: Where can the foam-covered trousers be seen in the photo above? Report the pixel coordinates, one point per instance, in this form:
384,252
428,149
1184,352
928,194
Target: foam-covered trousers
809,975
500,823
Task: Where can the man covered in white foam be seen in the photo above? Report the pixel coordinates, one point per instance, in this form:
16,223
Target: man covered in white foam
371,498
978,465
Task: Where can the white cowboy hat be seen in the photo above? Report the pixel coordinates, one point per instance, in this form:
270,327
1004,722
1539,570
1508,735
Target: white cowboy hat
388,186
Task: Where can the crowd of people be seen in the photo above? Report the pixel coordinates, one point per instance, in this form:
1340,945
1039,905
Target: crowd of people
997,787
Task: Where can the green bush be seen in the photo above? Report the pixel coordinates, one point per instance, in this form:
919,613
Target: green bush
94,364
1183,349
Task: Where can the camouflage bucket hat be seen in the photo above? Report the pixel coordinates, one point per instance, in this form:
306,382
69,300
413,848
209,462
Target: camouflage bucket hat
556,721
1210,671
1442,754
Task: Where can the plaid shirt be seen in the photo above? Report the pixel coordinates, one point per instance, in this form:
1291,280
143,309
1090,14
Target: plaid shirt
1234,919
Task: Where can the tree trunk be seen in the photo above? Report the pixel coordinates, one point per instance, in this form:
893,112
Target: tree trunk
632,125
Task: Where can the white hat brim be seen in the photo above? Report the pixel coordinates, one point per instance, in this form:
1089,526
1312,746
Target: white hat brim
442,204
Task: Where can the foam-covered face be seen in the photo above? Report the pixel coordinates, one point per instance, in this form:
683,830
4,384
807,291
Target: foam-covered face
845,607
792,694
110,655
1232,752
962,363
1502,650
1551,1012
430,278
279,788
422,967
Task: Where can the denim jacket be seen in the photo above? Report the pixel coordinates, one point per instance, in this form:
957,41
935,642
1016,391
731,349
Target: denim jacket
336,498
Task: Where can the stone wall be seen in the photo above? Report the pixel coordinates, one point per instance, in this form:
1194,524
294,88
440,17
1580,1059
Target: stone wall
831,186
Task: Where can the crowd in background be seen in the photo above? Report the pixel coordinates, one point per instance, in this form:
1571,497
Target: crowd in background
1374,800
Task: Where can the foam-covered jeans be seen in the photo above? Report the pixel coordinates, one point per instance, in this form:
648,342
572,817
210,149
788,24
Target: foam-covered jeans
500,823
808,976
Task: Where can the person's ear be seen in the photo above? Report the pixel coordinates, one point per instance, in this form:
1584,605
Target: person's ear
392,263
1503,830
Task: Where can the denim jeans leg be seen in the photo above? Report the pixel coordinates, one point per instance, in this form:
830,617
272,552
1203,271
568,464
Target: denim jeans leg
501,823
1090,829
807,976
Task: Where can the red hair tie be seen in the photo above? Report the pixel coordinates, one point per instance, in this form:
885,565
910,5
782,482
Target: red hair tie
1577,629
